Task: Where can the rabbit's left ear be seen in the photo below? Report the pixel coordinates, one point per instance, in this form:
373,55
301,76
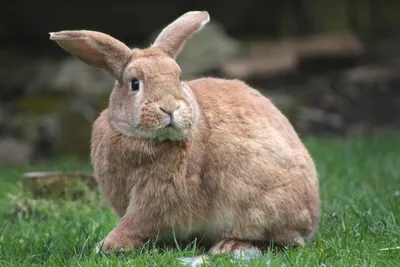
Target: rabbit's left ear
96,49
173,37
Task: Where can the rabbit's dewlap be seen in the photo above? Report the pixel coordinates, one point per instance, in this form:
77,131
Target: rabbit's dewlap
208,158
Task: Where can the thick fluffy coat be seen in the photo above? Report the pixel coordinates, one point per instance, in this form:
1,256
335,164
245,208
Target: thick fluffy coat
210,158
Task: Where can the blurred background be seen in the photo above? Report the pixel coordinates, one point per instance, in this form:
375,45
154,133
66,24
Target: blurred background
332,66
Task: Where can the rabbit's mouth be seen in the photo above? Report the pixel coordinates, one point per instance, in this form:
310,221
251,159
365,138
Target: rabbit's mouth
171,132
171,128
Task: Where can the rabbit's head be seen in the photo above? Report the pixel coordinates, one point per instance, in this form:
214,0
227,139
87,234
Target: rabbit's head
148,100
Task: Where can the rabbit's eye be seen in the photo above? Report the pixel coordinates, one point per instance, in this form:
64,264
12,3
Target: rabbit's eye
135,85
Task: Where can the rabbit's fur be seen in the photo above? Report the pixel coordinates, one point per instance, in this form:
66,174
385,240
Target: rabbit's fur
229,168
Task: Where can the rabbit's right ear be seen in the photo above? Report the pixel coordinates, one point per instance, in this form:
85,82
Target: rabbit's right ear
173,37
95,48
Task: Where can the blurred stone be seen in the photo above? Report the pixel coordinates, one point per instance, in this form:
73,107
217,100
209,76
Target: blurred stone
24,127
316,120
70,76
14,151
206,50
37,130
371,74
384,50
370,95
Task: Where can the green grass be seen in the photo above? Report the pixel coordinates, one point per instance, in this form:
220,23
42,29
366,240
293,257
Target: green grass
360,193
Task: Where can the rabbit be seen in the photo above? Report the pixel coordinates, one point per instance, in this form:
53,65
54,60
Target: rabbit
209,158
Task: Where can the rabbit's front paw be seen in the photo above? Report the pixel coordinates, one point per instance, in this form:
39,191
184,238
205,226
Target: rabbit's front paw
113,244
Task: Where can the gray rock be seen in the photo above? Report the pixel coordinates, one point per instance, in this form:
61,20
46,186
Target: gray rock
23,127
69,76
371,74
313,119
38,130
206,50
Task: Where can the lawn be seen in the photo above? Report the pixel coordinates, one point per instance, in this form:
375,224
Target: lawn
359,188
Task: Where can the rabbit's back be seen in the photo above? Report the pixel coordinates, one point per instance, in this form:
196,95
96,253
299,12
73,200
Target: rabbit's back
255,156
232,108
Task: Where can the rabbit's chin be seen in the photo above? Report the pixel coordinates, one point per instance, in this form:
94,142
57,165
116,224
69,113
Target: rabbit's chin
171,134
159,134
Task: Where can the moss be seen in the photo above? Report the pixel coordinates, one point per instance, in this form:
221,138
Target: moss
39,104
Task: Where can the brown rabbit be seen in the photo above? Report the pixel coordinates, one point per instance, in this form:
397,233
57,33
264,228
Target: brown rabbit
209,158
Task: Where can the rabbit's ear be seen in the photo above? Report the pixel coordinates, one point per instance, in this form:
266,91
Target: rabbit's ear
173,37
95,48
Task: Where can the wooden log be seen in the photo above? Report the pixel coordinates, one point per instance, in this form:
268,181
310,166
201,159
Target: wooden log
55,184
266,59
345,45
264,66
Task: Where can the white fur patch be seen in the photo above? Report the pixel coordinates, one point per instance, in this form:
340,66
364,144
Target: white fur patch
210,230
97,248
140,85
245,254
194,261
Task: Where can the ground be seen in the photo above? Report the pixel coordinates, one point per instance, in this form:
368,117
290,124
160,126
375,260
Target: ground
359,188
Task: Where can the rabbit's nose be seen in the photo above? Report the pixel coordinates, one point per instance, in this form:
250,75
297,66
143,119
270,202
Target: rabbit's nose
169,109
171,121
